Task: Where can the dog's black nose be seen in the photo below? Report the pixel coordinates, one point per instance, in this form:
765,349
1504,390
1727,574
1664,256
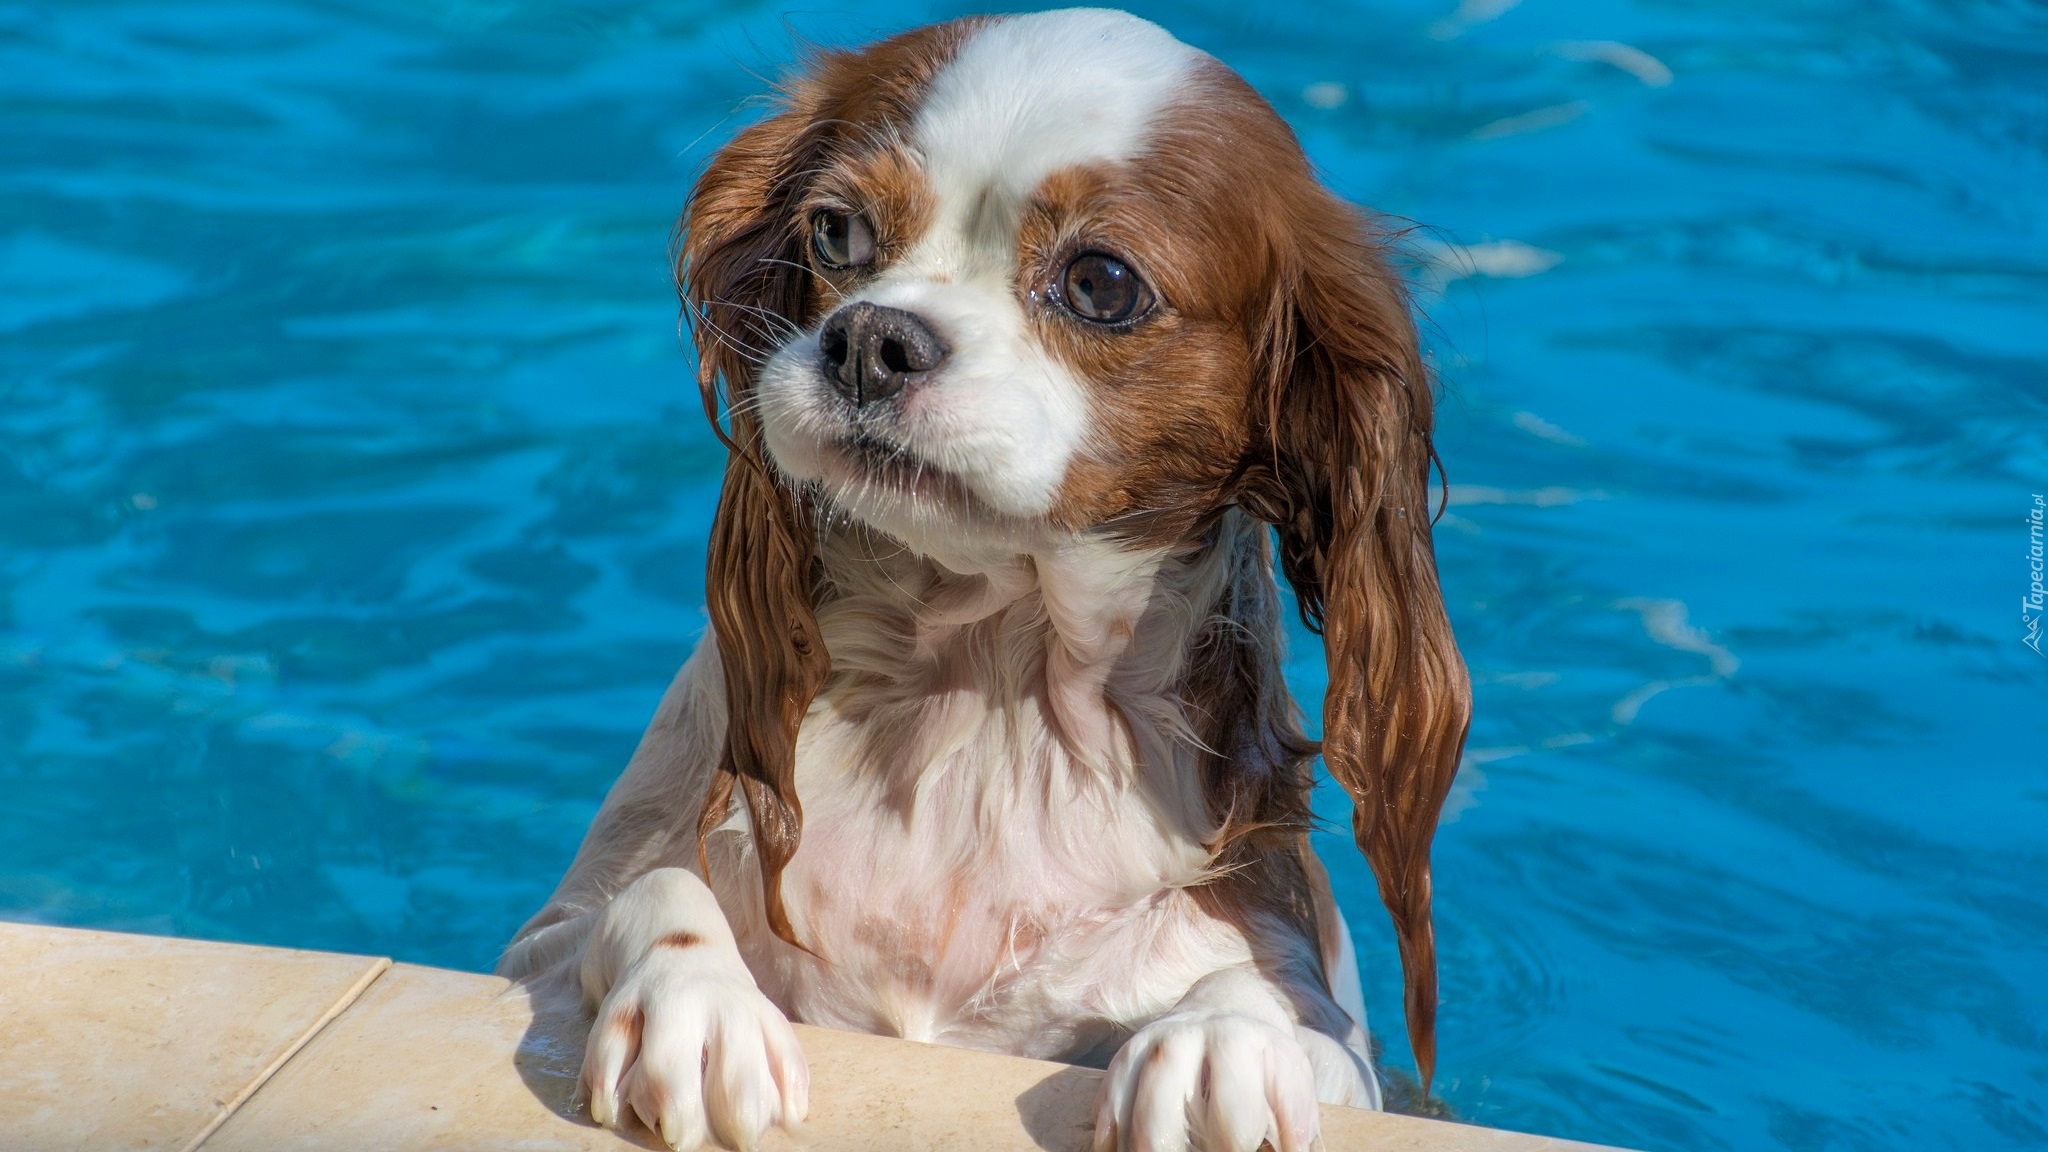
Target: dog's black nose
872,352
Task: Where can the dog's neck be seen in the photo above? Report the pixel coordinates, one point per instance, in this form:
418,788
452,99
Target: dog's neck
1083,636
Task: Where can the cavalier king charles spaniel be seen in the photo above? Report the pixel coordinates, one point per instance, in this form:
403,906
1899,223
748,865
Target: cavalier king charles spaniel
1031,339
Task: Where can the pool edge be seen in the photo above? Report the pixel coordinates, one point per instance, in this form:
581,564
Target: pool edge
402,1056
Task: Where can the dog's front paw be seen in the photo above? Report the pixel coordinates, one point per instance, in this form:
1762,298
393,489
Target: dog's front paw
689,1044
1211,1082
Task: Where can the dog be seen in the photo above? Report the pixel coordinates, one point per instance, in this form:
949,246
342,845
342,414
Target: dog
1028,338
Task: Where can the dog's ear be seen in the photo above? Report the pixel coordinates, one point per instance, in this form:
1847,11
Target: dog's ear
1343,472
740,268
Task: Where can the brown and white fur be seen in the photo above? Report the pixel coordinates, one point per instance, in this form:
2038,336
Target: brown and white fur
1011,630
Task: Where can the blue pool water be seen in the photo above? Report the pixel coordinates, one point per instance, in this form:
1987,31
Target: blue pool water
353,494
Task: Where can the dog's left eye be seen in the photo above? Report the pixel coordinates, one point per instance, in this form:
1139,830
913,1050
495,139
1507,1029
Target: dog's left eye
1103,289
842,240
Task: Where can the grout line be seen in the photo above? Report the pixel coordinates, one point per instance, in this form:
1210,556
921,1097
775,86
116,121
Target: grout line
342,1004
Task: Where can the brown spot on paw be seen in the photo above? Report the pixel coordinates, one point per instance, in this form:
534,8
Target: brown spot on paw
628,1022
679,940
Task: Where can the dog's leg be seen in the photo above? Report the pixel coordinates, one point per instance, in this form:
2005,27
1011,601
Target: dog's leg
1227,1068
683,1037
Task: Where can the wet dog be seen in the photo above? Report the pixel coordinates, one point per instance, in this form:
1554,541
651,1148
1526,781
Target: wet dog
1032,336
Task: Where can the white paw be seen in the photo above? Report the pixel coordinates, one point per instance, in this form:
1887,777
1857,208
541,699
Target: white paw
1211,1082
687,1042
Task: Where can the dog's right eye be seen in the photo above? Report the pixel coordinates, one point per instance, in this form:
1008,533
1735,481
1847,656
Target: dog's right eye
1104,290
842,240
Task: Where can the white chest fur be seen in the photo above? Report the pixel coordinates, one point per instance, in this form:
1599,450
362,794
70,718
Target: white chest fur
1002,811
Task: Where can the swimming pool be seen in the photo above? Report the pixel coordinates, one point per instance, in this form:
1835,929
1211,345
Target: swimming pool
353,493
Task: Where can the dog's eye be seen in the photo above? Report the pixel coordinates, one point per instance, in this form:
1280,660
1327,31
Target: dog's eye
842,240
1104,289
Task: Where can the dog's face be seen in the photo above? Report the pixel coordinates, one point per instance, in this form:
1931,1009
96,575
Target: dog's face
1037,265
1014,306
1001,283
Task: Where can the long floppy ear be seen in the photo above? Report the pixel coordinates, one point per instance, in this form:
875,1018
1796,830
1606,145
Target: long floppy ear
741,273
1347,415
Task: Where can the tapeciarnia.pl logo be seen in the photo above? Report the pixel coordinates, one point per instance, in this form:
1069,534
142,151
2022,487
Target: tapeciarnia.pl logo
2035,605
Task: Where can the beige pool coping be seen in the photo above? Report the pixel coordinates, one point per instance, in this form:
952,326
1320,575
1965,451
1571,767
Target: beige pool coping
114,1041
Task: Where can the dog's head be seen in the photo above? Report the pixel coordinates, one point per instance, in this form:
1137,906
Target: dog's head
997,282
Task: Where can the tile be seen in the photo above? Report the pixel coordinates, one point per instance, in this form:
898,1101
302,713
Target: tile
112,1041
428,1059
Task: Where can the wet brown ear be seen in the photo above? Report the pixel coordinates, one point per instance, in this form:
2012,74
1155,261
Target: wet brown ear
1345,479
741,271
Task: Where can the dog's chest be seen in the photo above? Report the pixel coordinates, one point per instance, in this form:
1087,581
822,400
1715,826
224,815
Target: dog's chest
1002,897
1002,808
